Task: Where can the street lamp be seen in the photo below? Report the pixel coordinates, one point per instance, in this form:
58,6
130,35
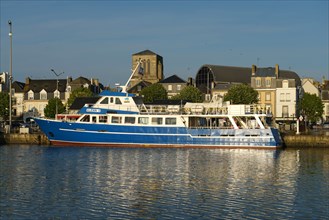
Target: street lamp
10,71
57,75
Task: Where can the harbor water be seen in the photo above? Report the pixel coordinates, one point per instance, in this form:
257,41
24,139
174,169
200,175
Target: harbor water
44,182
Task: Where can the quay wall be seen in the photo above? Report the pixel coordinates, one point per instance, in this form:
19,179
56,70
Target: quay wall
306,140
37,139
290,140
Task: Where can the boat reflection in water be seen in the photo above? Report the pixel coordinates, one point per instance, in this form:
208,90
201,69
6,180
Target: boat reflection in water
163,183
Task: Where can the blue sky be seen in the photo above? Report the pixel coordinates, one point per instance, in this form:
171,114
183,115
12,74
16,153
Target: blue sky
96,39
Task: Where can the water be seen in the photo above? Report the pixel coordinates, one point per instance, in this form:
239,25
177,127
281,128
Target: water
100,183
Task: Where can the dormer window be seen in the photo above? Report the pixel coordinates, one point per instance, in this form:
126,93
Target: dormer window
57,94
43,95
258,82
30,95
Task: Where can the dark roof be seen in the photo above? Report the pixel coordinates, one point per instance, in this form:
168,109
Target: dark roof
226,86
145,52
229,73
50,85
243,74
172,79
265,72
80,80
79,102
18,86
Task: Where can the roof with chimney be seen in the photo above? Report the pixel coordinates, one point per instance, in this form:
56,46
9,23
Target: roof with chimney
232,74
49,85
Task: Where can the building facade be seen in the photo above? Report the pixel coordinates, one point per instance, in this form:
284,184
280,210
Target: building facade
152,66
173,85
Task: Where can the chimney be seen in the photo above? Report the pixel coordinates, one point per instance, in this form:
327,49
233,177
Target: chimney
253,70
27,80
277,70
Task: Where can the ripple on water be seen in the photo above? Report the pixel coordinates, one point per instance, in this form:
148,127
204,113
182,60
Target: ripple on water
74,183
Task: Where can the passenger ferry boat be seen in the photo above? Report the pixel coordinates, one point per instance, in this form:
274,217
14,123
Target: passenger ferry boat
119,119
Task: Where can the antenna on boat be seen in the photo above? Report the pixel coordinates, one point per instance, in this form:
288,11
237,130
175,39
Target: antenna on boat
138,68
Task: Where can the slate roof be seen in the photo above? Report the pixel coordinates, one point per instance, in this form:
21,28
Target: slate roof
172,79
50,85
79,102
80,80
224,86
229,73
145,52
243,74
18,86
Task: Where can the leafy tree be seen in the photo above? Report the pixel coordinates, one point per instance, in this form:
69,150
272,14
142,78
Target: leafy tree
80,92
154,92
4,105
50,109
241,94
190,93
311,106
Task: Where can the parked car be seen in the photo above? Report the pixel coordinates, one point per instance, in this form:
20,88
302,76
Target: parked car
326,125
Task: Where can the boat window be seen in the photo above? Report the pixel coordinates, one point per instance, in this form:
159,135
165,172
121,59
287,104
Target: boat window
156,121
116,119
129,120
143,120
170,121
118,101
94,119
105,101
111,99
85,118
102,119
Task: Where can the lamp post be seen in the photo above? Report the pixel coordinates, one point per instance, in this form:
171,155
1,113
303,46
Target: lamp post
57,75
10,71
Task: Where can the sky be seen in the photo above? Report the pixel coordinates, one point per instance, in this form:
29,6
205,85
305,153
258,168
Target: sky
96,39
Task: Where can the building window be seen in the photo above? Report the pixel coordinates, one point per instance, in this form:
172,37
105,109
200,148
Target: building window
282,97
179,87
285,84
287,97
268,82
139,88
43,95
268,96
285,111
169,87
57,94
30,95
258,82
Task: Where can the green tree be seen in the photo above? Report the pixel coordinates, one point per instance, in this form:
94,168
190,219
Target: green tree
189,93
4,105
154,92
311,106
80,92
50,109
241,94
